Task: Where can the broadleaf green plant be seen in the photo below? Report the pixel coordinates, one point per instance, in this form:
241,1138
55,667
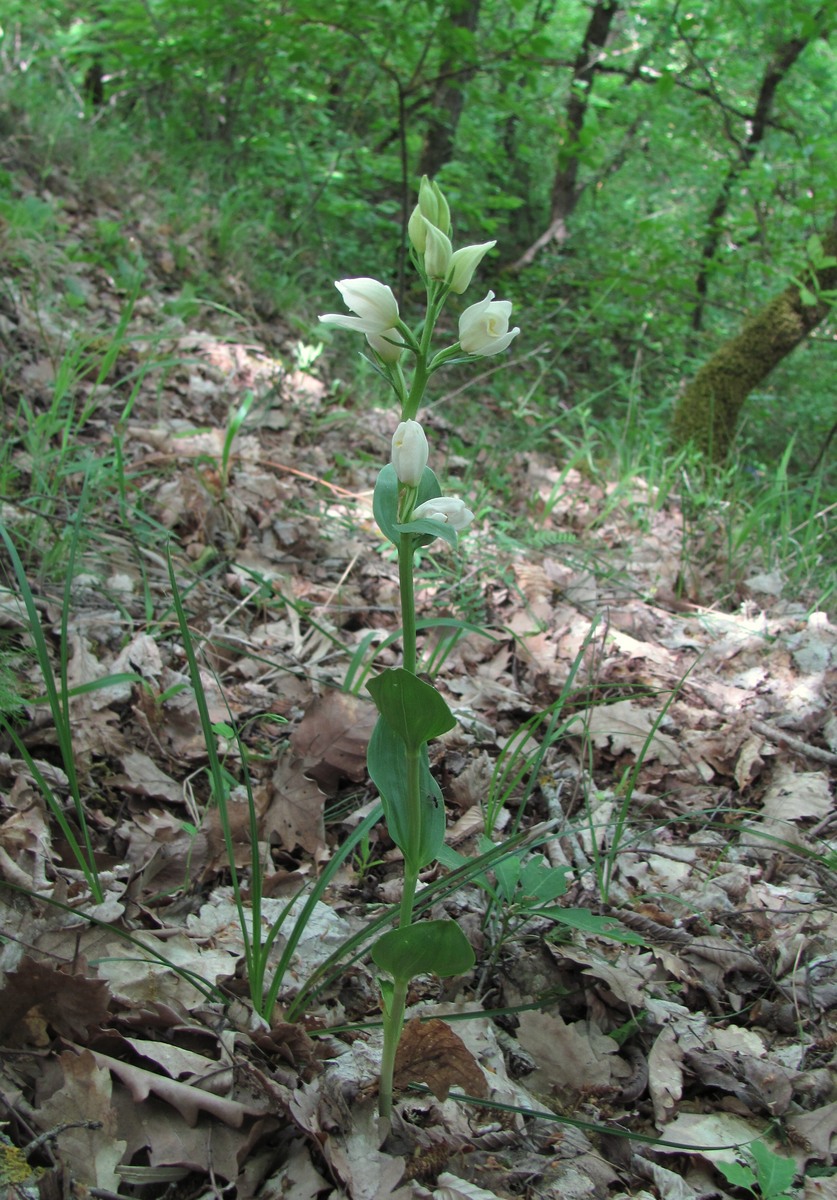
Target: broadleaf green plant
763,1174
412,510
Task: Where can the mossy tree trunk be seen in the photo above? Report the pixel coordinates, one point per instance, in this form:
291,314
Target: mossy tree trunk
708,409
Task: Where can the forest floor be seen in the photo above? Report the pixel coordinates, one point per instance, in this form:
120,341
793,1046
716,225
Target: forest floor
682,789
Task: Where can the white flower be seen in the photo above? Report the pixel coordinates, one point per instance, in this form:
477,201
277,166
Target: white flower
381,343
409,452
374,303
449,510
484,327
463,263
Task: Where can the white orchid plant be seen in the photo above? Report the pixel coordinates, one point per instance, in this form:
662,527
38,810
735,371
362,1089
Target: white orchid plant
411,511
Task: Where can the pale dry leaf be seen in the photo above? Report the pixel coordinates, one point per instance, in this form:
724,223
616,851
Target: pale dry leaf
817,1129
451,1187
650,651
175,1061
628,978
153,1127
145,778
469,825
669,1186
568,1057
624,727
716,1136
92,1155
820,1188
354,1157
797,795
665,1074
714,957
749,762
297,1178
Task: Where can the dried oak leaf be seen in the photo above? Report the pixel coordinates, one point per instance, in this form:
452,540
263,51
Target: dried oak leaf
292,1044
37,996
332,738
430,1052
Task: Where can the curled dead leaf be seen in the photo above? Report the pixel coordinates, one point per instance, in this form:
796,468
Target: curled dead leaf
430,1052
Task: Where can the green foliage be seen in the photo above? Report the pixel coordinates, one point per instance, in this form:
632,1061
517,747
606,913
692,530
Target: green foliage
439,947
763,1174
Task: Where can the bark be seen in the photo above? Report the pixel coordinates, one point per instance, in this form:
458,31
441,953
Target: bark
565,187
449,96
775,72
707,411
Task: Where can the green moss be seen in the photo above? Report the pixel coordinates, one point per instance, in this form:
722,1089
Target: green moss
707,411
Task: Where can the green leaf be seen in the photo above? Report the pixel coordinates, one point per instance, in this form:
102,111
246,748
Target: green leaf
814,249
507,874
430,947
590,922
386,759
411,707
774,1172
433,529
541,883
737,1175
385,504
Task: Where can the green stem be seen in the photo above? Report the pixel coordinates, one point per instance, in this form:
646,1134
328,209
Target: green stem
394,1018
406,549
393,1024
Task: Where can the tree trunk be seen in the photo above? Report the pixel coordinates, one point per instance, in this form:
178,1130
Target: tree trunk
565,187
775,72
449,97
707,411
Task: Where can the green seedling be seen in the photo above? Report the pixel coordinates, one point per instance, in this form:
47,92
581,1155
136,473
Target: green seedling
765,1175
363,862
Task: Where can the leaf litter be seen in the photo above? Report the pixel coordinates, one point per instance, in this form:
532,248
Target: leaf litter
129,1040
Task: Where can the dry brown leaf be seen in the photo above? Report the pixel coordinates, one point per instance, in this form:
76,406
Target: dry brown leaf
295,815
36,997
817,1129
430,1052
332,738
144,778
569,1057
188,1101
763,1086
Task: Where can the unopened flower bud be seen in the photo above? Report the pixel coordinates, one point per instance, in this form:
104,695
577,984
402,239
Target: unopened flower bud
409,453
438,252
484,327
433,205
448,510
417,230
382,344
463,263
